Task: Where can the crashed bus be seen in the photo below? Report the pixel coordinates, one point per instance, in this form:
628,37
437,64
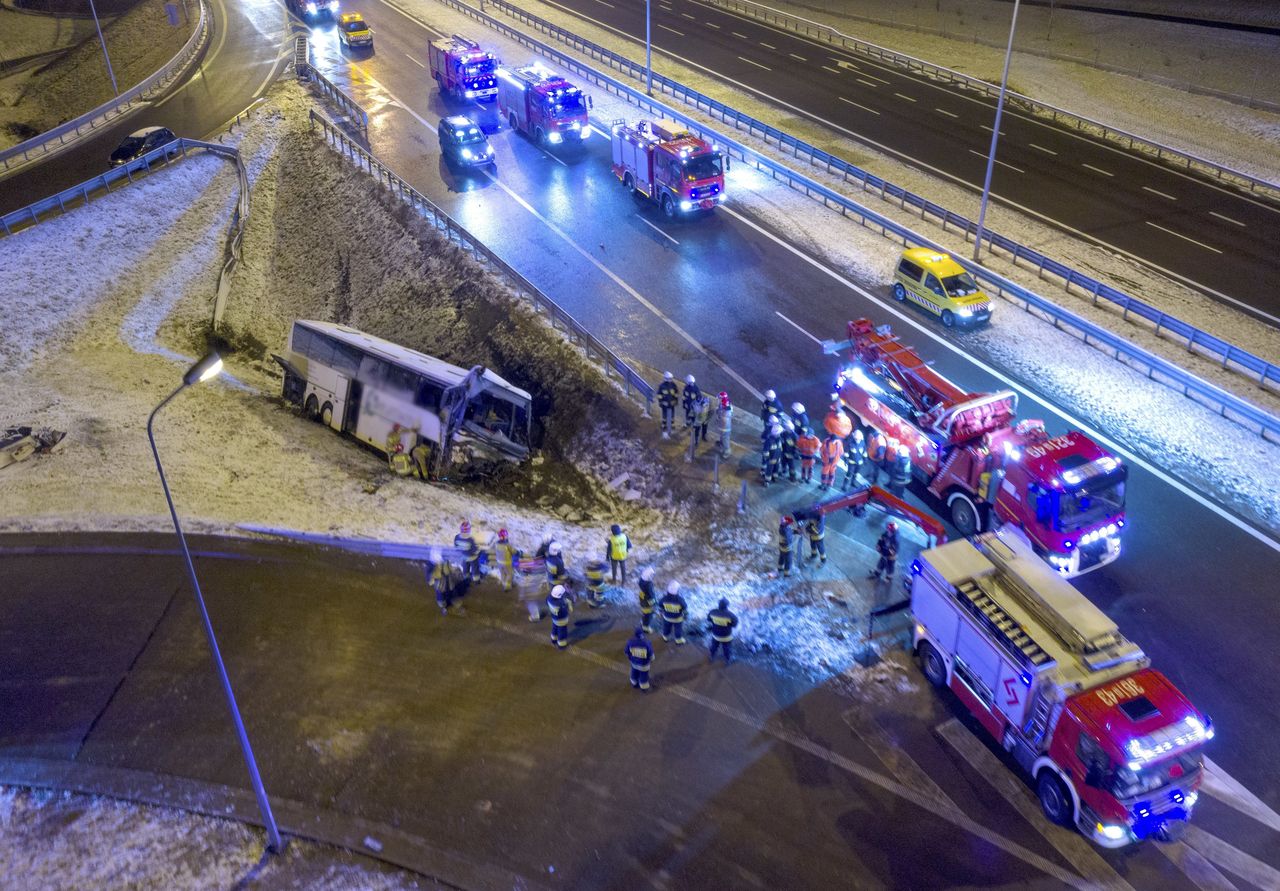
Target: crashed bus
365,387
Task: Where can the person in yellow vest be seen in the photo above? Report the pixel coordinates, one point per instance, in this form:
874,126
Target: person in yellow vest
505,556
616,551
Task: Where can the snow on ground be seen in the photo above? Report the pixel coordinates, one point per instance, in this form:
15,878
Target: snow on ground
61,840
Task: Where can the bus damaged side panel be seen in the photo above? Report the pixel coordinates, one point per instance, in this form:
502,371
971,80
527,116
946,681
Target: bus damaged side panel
486,423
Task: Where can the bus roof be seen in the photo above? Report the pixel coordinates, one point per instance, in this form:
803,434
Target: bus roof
447,374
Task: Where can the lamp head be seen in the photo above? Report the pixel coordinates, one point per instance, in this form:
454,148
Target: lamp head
208,367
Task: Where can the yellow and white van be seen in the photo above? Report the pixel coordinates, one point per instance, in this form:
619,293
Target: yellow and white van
940,285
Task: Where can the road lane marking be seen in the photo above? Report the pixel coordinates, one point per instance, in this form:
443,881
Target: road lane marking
908,98
1098,170
1195,866
414,61
797,327
901,766
988,129
737,34
757,64
1231,792
1230,858
866,83
925,330
1183,237
1047,151
950,114
1073,846
672,30
998,161
794,56
845,64
606,3
1158,192
209,57
768,45
689,17
656,229
864,74
712,25
856,105
1214,213
832,70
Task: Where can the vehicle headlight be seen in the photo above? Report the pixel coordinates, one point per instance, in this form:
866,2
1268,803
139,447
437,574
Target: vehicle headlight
1189,801
466,153
964,311
311,7
554,137
333,5
470,94
1112,831
686,204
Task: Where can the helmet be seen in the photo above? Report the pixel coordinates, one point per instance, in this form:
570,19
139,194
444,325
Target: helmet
673,588
904,452
502,535
797,408
724,604
891,526
857,433
688,379
639,631
769,394
724,399
647,573
788,425
557,591
666,375
553,548
776,430
395,427
615,529
465,527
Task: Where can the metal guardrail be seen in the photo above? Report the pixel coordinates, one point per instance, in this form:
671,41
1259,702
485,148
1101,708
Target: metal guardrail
364,159
335,94
1160,370
66,135
301,55
1175,157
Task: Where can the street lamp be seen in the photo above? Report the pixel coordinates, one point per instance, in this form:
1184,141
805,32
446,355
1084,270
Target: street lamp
648,51
209,367
93,9
995,136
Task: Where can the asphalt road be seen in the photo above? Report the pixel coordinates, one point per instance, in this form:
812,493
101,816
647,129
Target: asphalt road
472,733
1214,238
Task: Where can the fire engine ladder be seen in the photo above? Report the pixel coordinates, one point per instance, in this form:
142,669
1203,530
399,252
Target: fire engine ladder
1035,727
1003,627
919,383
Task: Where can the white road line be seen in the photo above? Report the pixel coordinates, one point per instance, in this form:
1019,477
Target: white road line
901,766
1232,859
1183,237
689,17
712,25
1158,192
1098,170
606,3
797,327
998,161
856,105
872,76
908,98
672,30
1214,213
414,61
1047,151
560,161
656,229
1073,846
832,70
988,129
737,34
757,64
794,56
1195,866
209,57
865,82
1231,792
1096,435
950,114
767,45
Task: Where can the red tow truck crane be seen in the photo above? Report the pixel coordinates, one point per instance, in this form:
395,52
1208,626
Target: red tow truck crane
664,162
462,69
1066,493
543,105
1113,746
856,502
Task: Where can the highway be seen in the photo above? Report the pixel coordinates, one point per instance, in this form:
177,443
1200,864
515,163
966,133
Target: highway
1212,237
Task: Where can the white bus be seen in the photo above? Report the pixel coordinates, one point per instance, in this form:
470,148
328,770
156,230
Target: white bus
362,385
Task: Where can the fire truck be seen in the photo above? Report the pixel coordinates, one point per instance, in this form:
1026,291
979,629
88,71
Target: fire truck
664,162
1066,493
462,69
543,105
1112,745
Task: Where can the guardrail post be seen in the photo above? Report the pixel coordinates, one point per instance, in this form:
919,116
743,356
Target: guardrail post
742,499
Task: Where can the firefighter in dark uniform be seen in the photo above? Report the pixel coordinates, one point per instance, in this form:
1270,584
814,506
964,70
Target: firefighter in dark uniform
816,528
561,608
789,454
595,583
640,654
770,409
465,542
648,599
721,623
674,609
770,453
689,399
668,396
553,560
887,546
900,478
786,538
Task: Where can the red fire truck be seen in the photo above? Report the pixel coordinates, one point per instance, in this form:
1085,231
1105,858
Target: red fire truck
663,161
462,69
1065,492
543,105
1113,747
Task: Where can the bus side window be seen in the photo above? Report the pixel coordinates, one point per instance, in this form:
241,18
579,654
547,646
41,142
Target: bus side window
346,359
302,338
428,395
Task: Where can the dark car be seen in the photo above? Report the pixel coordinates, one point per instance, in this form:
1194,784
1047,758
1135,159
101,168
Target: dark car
138,144
310,10
463,142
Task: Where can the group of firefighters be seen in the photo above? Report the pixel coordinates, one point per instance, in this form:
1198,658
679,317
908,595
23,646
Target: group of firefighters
698,412
451,576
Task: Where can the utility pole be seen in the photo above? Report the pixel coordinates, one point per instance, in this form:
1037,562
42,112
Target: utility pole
648,50
93,9
995,137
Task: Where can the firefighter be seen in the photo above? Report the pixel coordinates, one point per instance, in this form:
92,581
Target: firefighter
788,455
807,446
721,622
420,458
648,599
887,547
855,449
901,476
616,551
837,422
724,421
673,608
702,416
890,457
466,542
554,563
816,528
689,399
799,417
504,557
786,537
561,608
877,447
831,451
668,396
770,409
397,460
595,583
770,453
640,654
441,575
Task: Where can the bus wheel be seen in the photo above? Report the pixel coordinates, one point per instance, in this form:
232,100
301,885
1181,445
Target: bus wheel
932,665
312,408
899,292
326,415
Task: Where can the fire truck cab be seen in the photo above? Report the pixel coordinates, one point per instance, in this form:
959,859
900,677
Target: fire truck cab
664,162
543,105
1113,747
462,69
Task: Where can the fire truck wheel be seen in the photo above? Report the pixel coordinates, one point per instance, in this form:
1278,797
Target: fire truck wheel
1054,798
948,319
932,665
965,516
539,137
668,207
629,182
312,408
326,415
511,119
899,292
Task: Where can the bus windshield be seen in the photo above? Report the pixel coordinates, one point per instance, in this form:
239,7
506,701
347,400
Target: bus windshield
500,417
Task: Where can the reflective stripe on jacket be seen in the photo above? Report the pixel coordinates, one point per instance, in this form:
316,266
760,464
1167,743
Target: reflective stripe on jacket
619,545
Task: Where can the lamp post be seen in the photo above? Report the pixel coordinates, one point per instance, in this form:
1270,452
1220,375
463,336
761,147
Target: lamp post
208,367
93,9
995,136
648,51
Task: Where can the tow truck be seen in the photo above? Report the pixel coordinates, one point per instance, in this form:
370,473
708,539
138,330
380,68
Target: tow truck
1065,492
543,105
1113,747
858,500
462,69
665,163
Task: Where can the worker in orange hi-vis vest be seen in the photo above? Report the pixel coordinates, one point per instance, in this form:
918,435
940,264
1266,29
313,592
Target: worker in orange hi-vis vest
832,450
807,445
837,423
877,449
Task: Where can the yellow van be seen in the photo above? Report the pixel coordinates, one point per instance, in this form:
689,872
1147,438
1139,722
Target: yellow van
940,285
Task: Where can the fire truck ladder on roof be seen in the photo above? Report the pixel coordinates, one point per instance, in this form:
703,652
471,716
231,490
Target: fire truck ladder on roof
921,384
1003,627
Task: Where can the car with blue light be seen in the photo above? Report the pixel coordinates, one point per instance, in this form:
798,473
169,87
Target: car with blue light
938,284
462,142
354,32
